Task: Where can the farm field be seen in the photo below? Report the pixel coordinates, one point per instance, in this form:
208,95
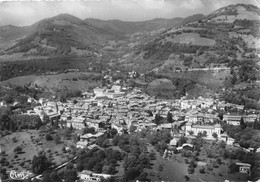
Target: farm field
167,169
32,142
192,38
175,168
71,81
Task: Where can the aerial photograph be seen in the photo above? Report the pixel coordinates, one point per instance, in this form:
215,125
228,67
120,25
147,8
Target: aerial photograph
130,90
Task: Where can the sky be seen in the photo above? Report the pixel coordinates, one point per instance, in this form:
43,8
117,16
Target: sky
22,13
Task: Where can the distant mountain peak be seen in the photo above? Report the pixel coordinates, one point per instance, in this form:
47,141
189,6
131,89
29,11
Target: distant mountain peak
239,11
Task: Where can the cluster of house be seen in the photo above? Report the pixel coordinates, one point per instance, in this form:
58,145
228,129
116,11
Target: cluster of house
120,109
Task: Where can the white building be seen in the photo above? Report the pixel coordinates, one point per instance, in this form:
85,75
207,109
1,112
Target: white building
88,176
232,119
210,129
82,144
116,88
77,123
99,92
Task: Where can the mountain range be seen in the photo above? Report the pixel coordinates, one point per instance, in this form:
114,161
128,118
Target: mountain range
57,35
206,51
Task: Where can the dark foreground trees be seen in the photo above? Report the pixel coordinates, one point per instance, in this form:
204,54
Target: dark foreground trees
40,164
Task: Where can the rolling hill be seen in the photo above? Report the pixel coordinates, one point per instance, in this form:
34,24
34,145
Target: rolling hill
59,35
125,27
213,40
10,32
205,52
65,34
216,51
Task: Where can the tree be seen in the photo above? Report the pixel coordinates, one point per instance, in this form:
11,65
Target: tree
45,119
220,116
98,167
40,164
204,134
63,98
70,166
219,161
48,137
169,117
233,168
5,113
143,176
256,125
190,170
57,139
88,130
113,132
70,175
157,119
9,98
234,79
132,128
215,135
18,149
191,132
242,123
51,176
181,141
131,173
202,170
150,113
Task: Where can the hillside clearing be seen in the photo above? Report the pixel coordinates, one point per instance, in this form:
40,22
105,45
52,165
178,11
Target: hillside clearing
191,38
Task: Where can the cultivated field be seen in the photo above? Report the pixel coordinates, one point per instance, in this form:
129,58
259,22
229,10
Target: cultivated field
31,142
175,168
192,38
70,81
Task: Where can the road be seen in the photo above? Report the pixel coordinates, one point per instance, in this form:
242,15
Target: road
55,169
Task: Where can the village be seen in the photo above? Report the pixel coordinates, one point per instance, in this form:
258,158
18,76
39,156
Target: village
121,109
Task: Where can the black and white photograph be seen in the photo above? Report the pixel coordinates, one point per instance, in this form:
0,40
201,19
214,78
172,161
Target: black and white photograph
130,91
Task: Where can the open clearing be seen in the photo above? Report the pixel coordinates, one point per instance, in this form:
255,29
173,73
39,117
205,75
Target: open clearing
31,143
70,81
191,38
175,168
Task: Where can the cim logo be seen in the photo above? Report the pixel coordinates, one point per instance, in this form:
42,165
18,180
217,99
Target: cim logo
19,175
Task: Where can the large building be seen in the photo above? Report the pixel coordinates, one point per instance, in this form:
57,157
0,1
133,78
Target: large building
210,129
232,119
77,123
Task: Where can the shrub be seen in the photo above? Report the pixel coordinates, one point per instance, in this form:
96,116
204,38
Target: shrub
18,149
14,139
218,161
202,170
187,177
233,168
48,137
209,168
193,164
152,155
215,165
190,170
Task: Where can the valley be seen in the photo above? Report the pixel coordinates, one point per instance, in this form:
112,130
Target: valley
110,100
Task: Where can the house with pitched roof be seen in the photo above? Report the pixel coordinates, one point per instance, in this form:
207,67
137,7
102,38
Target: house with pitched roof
209,129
